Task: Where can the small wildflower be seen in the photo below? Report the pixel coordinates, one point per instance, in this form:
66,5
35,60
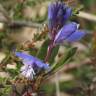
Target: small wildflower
69,33
32,65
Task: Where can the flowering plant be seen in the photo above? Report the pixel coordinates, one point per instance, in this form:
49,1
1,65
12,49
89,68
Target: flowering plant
37,67
60,30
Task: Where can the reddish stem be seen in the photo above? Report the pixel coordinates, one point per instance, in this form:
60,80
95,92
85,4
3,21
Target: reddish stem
51,46
49,51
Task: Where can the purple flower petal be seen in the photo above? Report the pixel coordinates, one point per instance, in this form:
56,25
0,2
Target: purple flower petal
40,64
76,36
68,13
23,55
58,13
53,10
52,13
27,59
46,67
30,60
65,32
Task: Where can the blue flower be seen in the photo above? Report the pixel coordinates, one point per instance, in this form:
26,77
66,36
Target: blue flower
31,65
58,13
69,33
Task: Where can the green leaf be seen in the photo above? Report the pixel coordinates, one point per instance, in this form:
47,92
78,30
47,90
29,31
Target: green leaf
43,50
53,54
13,72
32,51
5,91
66,58
88,3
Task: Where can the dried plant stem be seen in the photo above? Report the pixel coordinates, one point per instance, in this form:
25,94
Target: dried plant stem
38,82
49,52
17,23
87,16
15,92
57,85
68,67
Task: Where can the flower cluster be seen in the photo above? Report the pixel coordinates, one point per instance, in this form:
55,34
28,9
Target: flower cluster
60,30
32,65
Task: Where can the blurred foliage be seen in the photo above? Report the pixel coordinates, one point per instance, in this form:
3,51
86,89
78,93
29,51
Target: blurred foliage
88,3
64,59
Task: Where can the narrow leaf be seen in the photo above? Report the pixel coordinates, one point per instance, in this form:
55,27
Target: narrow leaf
53,54
65,59
43,50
